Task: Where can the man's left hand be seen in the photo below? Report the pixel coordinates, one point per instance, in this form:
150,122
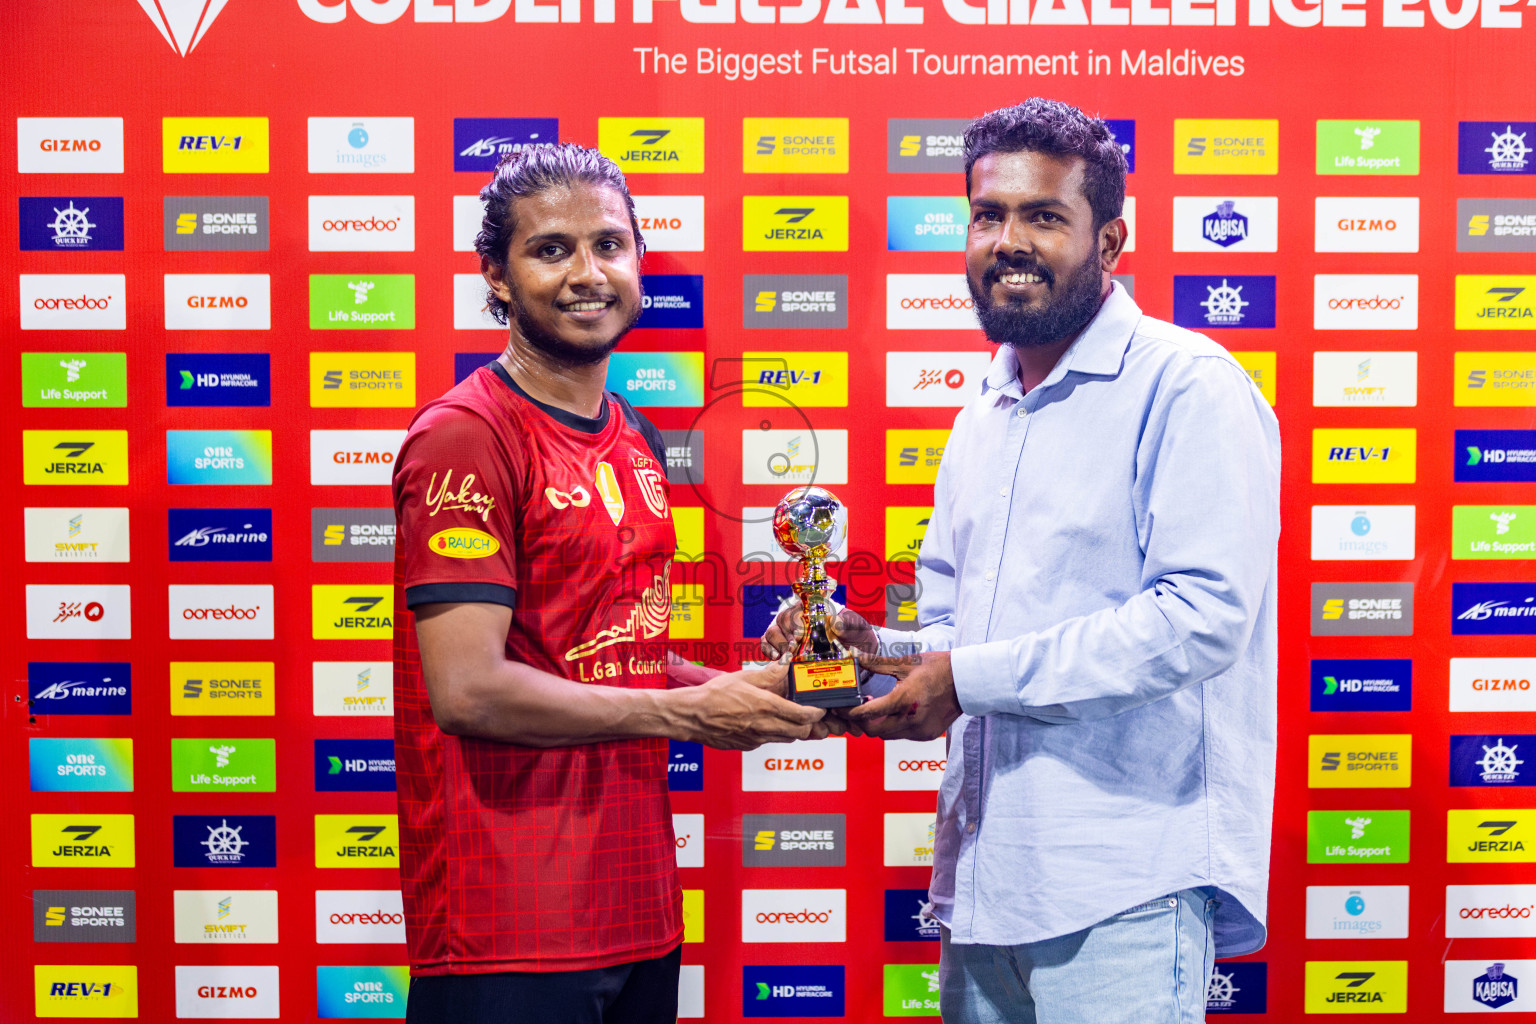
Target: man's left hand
922,705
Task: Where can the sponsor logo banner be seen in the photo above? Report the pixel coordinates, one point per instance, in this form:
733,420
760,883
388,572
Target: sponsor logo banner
688,834
218,379
1210,303
82,841
1491,379
1491,760
353,688
901,607
222,688
74,380
225,916
1494,836
353,456
1362,684
685,766
794,145
1496,456
1367,147
685,465
73,302
84,915
359,915
1240,987
218,457
672,301
653,145
79,990
1493,531
469,212
1123,132
909,839
794,915
69,145
1365,302
480,143
361,991
1357,837
1495,147
794,456
933,379
802,379
914,764
1357,912
687,615
1261,370
1226,223
363,301
913,456
1493,684
357,841
929,302
1493,609
1495,302
352,535
820,767
352,611
1362,609
223,765
216,224
80,687
1504,911
362,223
1386,455
797,991
229,612
1359,761
1356,986
225,992
214,145
909,916
218,302
71,223
1363,532
1203,146
793,840
926,223
911,990
471,311
657,378
224,840
1496,225
928,145
354,766
220,534
667,223
80,765
362,145
78,612
794,300
794,223
1482,986
905,526
1365,378
358,380
76,534
1366,224
466,363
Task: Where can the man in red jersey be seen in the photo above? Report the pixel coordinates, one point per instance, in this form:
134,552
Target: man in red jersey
533,691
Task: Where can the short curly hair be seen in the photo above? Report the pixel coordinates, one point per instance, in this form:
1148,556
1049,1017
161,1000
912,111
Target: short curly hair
1040,125
529,172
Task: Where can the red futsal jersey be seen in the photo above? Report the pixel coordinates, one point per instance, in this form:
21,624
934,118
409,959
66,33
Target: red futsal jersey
514,858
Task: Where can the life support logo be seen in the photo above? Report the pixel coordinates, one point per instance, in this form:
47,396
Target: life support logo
463,542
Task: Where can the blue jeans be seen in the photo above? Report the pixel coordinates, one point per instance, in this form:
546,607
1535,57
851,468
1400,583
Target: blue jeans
1146,965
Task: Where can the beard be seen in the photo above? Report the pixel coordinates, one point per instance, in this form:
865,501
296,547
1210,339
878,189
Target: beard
558,348
1065,313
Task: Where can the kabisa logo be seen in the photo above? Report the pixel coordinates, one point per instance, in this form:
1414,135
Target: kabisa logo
1238,987
480,142
220,534
909,916
794,915
214,145
685,766
1357,837
73,302
658,378
1492,836
183,23
71,223
1371,986
1496,147
1491,760
1226,223
218,302
361,991
672,301
215,223
794,223
354,766
227,379
804,840
1224,226
1495,302
352,535
359,915
362,302
926,223
362,223
84,915
1496,455
928,145
69,145
83,840
80,687
357,841
74,380
1225,147
224,840
653,145
794,145
218,456
802,990
1493,609
1496,225
80,765
362,145
1495,988
1221,302
1362,684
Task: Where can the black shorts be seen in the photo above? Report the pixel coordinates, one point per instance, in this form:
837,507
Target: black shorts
644,992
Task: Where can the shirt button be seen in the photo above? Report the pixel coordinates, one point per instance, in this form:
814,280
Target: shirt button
1021,413
1003,491
970,826
990,574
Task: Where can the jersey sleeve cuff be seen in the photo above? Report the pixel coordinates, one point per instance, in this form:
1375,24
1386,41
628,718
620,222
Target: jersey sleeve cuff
460,593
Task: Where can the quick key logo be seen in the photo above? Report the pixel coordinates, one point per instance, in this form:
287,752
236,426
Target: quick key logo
909,916
354,766
1362,684
1492,760
1210,303
1238,987
1496,147
479,143
794,991
220,534
224,841
71,223
80,687
1493,609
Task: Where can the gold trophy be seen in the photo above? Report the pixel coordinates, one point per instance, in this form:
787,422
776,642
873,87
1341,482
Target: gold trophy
809,524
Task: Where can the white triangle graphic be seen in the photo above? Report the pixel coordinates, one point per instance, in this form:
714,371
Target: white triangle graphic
182,23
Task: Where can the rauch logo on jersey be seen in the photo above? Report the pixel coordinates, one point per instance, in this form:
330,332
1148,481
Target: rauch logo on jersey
1493,609
479,143
1357,837
1496,147
80,765
1362,684
361,991
357,841
354,766
1207,303
672,301
1239,987
218,302
83,840
1496,225
803,990
218,457
74,380
218,379
928,145
224,840
73,302
362,145
793,840
84,915
215,223
794,300
220,534
69,145
653,145
80,687
1225,223
242,688
1367,147
794,223
926,223
909,916
71,223
362,223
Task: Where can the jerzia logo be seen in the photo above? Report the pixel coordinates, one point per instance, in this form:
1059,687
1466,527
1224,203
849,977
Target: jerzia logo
183,23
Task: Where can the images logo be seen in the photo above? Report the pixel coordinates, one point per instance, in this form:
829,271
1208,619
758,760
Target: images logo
798,991
1379,684
354,766
1228,301
794,915
362,223
821,767
1225,147
74,380
84,915
479,143
794,145
80,687
214,145
794,223
1493,609
1375,456
362,301
653,145
1367,147
1496,225
218,302
353,688
82,840
215,223
76,990
1357,912
362,145
361,991
1366,224
793,840
352,611
357,841
1495,302
926,223
1362,532
1357,837
223,379
69,145
218,457
222,688
1226,223
354,380
76,612
928,145
73,302
1502,836
1356,986
352,535
220,534
1495,147
81,765
71,223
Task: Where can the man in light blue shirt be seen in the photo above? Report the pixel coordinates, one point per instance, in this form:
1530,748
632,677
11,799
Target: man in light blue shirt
1097,599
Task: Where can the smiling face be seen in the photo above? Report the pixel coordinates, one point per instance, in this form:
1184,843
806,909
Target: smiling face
572,273
1035,263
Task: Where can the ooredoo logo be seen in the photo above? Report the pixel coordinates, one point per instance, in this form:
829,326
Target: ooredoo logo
69,145
1365,302
362,223
74,302
1503,911
926,302
221,612
914,764
359,915
794,915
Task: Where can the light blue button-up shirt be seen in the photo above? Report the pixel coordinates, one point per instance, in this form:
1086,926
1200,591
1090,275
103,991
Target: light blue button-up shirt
1101,560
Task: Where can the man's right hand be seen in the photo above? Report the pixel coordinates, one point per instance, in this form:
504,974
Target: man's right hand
847,625
741,711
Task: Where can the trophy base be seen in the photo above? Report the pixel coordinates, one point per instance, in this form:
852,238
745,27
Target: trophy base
825,684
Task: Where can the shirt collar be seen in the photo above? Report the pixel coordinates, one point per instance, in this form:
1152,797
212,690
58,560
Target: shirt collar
1099,351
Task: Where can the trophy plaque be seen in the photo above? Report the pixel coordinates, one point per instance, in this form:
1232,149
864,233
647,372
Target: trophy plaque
809,524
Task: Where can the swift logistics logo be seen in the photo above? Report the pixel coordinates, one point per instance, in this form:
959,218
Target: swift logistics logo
82,840
1383,455
236,765
667,223
479,143
362,302
354,766
805,379
1493,609
674,301
216,224
352,535
70,223
1493,531
362,145
224,840
352,611
74,380
204,457
926,223
1365,302
1361,684
909,839
1230,300
801,990
73,302
80,687
219,534
352,689
794,301
84,915
243,688
1367,147
1363,532
1356,986
793,840
357,841
778,456
1203,146
927,145
85,990
1366,224
794,145
362,380
225,916
80,765
1358,761
225,379
1357,837
214,145
1496,456
1357,912
1362,609
361,991
653,145
1495,302
359,915
1503,835
218,302
657,378
76,534
1495,147
69,145
1226,223
1496,225
794,223
1492,761
1342,379
362,223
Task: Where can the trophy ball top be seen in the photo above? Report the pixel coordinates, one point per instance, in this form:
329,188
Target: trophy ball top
810,520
